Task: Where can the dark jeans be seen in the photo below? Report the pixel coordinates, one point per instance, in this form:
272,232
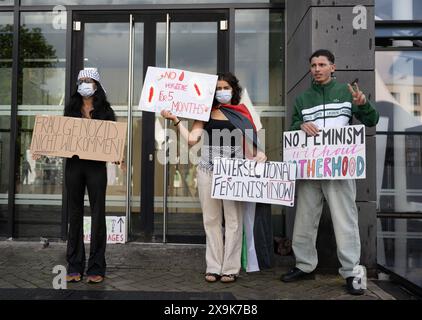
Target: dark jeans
93,175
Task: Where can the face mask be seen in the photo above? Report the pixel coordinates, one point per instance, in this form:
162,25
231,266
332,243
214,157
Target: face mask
86,89
223,96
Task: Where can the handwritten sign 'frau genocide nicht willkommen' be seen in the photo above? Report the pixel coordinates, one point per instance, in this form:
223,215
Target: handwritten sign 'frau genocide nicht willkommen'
89,139
186,94
251,181
335,153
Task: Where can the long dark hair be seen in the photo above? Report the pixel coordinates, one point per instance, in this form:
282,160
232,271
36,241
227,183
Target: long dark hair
234,83
102,108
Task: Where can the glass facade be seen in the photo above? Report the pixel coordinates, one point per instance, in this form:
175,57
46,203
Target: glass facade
398,10
399,145
6,59
399,244
41,90
399,138
254,51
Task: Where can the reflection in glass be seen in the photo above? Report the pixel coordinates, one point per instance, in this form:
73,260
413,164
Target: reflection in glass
41,91
399,245
137,129
6,2
259,56
193,46
6,40
400,77
259,65
398,89
402,31
138,65
399,158
398,9
106,47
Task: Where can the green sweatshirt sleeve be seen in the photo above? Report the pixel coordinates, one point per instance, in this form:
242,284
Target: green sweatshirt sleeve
366,114
297,118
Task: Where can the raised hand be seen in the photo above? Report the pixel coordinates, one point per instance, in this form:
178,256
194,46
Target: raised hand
358,97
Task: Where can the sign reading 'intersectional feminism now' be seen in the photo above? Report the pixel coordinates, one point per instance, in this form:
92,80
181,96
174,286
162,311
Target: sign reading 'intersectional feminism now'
87,138
246,180
186,94
335,153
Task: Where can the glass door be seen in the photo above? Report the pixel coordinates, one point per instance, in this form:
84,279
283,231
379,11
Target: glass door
198,42
122,46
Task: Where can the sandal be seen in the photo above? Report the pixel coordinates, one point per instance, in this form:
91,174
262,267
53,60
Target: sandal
212,277
227,278
95,279
73,277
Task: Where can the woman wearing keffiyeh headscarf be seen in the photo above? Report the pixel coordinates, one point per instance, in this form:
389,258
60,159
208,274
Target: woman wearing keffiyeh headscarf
230,133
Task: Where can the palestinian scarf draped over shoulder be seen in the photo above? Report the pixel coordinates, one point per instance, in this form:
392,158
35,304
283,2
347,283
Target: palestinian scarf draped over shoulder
258,240
241,118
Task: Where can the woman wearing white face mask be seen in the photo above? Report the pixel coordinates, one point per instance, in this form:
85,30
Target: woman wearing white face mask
223,247
89,101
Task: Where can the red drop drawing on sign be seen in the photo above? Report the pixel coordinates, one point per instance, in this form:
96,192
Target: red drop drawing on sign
182,76
151,94
197,89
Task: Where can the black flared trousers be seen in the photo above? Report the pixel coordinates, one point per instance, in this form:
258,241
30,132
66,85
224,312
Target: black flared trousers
81,174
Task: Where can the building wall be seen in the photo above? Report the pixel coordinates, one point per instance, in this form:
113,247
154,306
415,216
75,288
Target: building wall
316,24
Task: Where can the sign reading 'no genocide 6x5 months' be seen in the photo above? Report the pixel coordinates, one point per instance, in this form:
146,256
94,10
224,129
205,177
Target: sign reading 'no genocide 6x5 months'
186,94
251,181
335,153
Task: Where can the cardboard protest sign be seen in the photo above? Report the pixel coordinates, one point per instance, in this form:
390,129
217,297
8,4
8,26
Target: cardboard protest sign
186,94
59,136
250,181
335,153
116,231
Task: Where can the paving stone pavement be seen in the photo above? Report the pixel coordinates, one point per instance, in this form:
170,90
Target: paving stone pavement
168,268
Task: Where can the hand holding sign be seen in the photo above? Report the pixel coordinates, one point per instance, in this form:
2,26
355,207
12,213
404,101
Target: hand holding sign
260,157
36,157
168,115
358,97
336,153
310,128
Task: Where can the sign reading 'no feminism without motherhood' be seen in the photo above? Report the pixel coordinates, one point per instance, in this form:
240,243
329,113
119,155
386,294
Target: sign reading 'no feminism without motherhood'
335,153
87,138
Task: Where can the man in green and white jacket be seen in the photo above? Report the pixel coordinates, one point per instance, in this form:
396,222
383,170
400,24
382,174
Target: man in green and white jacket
328,104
